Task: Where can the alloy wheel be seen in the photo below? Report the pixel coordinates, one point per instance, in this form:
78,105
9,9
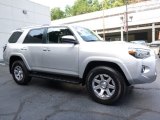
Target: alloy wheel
103,86
18,73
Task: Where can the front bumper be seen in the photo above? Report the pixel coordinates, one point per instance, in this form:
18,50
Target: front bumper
145,71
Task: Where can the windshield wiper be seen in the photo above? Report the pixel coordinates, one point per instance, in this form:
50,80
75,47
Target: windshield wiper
93,40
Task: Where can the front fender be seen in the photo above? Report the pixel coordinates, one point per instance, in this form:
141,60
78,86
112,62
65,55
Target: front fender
117,61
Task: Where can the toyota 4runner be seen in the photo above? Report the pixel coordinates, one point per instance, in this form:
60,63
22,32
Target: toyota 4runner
77,55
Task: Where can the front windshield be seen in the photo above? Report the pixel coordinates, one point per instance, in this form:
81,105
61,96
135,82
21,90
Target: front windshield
86,34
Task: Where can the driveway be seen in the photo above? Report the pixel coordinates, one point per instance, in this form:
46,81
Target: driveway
48,100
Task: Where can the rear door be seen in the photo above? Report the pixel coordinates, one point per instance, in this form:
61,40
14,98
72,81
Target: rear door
32,48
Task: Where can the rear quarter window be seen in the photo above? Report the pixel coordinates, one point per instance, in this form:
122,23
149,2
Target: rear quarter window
14,37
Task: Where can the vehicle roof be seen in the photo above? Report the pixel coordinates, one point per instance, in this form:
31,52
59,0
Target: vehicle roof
39,26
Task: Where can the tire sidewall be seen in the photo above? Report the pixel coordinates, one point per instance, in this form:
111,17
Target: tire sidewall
25,79
116,78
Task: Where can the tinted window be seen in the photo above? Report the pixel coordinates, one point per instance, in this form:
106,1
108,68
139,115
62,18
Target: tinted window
34,36
14,37
54,35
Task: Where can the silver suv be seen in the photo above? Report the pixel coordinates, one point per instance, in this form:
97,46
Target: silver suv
77,55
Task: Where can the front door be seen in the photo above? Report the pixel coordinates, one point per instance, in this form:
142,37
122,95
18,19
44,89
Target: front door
60,57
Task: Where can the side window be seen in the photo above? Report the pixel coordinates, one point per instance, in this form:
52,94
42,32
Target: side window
35,36
14,37
54,34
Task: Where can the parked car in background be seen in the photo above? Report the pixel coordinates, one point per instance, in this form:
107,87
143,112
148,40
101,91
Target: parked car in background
156,47
142,42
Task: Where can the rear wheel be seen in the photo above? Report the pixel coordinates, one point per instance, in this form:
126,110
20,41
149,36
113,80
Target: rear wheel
105,85
20,73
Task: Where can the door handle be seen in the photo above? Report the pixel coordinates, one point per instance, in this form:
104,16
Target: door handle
45,49
24,48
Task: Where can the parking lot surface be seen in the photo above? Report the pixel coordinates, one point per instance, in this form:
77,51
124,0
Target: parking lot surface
48,100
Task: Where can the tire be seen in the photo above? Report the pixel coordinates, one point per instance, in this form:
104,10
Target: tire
105,85
20,73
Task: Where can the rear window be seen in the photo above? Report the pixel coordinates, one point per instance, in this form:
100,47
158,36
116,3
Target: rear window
14,37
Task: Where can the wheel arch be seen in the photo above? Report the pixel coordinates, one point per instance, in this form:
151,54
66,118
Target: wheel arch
94,64
14,58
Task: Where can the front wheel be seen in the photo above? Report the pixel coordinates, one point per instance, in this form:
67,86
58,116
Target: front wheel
20,73
105,85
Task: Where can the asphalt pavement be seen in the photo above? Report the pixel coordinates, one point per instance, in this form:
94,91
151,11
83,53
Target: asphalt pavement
48,100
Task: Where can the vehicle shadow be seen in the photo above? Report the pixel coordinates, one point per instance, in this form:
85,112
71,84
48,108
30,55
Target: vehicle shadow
58,86
76,90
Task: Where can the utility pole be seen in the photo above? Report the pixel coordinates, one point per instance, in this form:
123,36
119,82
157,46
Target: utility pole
126,20
103,2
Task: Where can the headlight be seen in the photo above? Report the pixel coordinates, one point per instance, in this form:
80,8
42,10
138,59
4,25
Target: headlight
139,53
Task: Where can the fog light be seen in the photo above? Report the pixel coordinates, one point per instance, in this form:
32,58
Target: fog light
143,69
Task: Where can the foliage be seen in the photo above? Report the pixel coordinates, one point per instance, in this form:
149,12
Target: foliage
68,11
56,13
85,6
112,3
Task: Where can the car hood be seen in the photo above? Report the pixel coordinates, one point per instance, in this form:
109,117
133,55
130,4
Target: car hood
115,45
115,48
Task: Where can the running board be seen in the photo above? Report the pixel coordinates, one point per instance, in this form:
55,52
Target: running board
55,77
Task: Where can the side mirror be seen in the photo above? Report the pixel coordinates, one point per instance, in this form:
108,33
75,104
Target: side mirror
69,39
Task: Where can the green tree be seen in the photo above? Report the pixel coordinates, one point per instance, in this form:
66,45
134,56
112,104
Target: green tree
118,3
94,5
135,1
112,3
80,7
85,6
57,13
68,11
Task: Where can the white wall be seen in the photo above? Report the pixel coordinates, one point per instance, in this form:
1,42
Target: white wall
12,17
